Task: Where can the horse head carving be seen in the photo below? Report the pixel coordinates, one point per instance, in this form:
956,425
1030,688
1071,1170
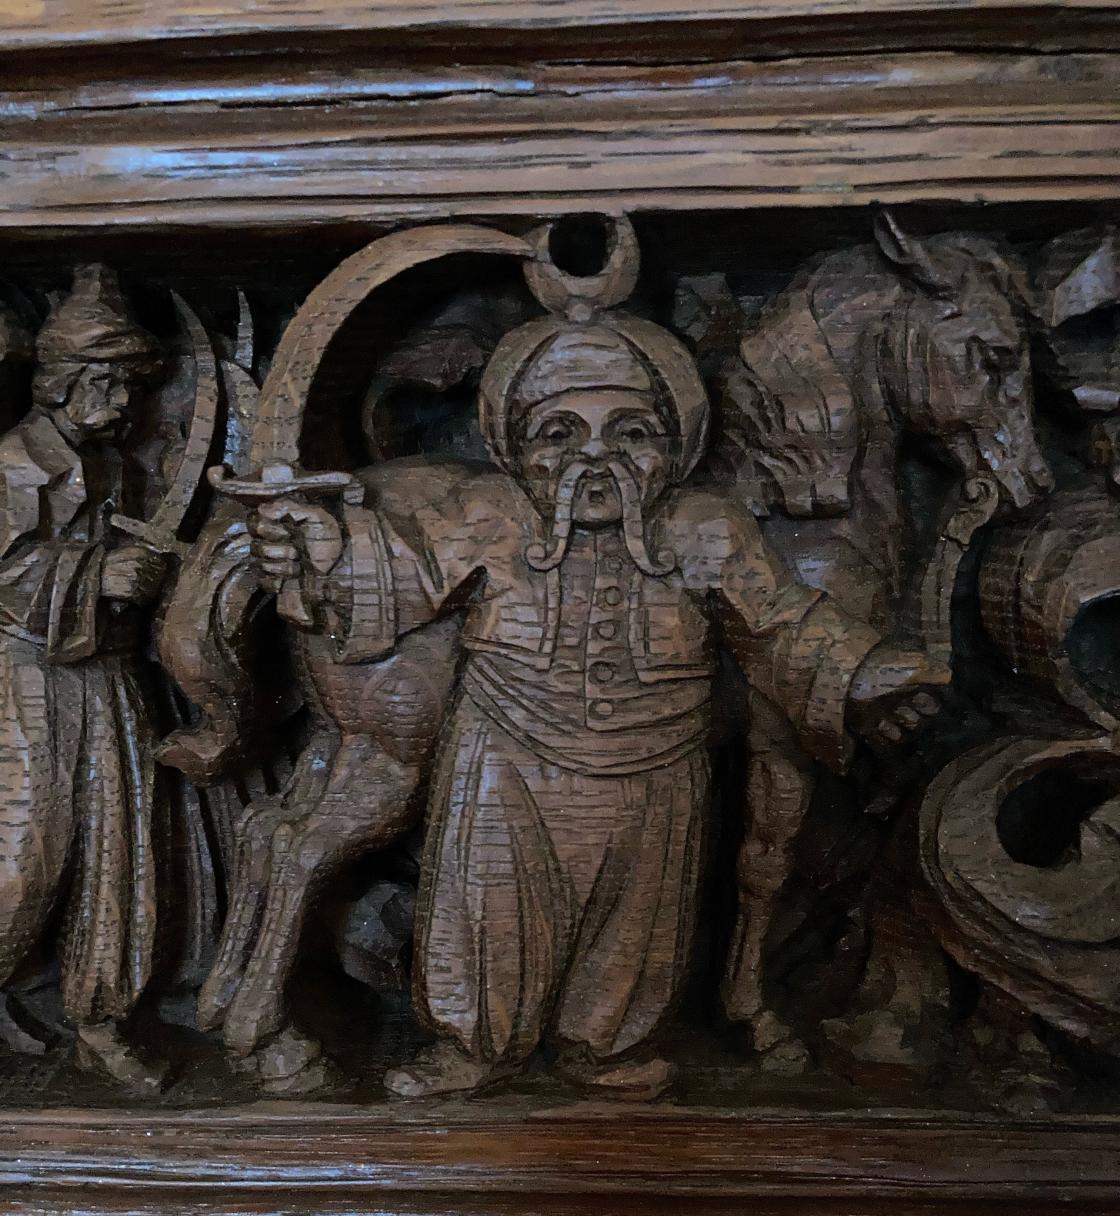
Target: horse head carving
953,358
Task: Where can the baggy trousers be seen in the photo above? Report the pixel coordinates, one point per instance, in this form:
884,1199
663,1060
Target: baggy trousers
554,905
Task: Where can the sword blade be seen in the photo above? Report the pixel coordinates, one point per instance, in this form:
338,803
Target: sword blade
171,512
162,542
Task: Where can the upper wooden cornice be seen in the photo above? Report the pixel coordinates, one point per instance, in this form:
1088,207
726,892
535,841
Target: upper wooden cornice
211,114
99,23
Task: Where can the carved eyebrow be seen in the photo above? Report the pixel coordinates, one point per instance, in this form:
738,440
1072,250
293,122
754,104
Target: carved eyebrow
628,413
536,424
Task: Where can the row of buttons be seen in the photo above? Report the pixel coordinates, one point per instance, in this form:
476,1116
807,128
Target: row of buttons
608,598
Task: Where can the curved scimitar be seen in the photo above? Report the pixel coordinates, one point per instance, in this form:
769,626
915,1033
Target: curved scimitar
161,532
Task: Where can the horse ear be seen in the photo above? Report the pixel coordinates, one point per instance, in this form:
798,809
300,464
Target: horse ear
909,255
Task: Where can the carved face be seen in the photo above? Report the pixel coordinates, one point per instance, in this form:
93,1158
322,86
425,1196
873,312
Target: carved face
583,443
99,400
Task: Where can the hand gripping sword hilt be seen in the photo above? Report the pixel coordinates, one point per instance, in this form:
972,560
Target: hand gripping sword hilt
278,481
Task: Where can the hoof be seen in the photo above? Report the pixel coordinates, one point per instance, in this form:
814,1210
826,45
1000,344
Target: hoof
202,756
291,1065
638,1080
789,1058
443,1069
1027,1097
874,1049
102,1050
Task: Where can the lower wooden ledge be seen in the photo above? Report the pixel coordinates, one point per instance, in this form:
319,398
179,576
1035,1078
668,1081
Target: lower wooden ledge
465,1159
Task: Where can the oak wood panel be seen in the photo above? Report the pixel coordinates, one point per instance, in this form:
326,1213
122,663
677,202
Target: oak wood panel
384,1156
94,141
27,23
230,143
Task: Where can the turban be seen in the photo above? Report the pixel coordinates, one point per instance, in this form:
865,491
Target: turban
590,357
93,324
554,355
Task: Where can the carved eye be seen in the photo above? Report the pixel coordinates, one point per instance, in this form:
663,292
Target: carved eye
555,432
635,430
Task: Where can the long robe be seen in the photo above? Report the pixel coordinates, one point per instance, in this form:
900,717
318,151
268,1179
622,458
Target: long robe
78,784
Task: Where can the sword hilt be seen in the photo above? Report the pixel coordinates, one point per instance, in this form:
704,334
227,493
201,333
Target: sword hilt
280,481
283,481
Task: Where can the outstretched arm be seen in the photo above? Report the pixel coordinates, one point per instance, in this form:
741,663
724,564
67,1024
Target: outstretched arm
794,646
373,573
826,674
830,673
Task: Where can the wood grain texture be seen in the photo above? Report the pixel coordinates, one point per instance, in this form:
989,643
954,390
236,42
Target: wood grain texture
231,143
27,23
202,116
304,1156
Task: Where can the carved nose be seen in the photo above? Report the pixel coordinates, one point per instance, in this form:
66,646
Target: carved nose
594,449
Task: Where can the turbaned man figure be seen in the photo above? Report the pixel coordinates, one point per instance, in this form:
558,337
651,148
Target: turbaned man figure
78,786
563,843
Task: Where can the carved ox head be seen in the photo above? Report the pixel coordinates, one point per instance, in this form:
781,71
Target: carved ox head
954,356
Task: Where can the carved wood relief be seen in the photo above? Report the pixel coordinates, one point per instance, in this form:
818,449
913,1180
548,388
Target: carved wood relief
559,610
856,533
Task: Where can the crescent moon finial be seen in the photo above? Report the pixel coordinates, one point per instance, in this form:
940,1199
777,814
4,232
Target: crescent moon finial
579,297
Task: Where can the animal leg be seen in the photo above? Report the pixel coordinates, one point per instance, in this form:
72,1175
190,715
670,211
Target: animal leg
250,884
254,840
897,1028
369,801
780,787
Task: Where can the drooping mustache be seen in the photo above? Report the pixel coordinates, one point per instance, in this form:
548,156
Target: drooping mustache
548,556
542,557
634,525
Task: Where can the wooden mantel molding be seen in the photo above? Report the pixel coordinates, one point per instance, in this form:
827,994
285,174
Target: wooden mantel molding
256,1159
229,142
57,23
395,112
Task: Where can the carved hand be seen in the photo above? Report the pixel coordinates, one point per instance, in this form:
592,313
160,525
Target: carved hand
890,696
133,573
291,539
